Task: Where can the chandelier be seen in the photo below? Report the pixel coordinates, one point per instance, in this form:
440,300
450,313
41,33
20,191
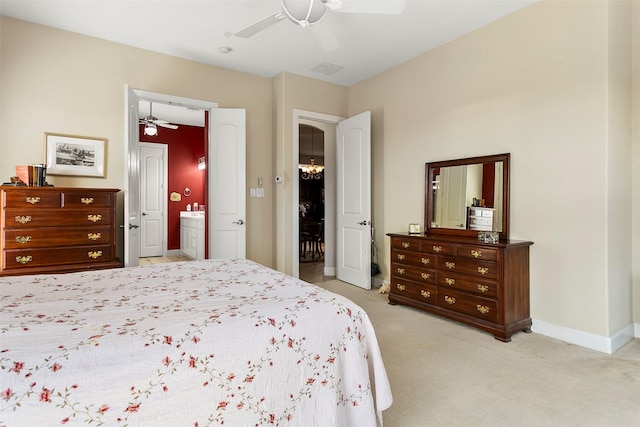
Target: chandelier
311,170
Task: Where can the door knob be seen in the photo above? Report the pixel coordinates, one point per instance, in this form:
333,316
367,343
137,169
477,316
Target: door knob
239,222
144,213
364,223
133,226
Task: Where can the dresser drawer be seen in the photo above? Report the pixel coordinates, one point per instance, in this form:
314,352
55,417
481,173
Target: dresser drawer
478,307
414,258
486,269
417,274
17,219
29,200
43,237
76,199
418,291
405,244
487,288
25,258
438,248
478,252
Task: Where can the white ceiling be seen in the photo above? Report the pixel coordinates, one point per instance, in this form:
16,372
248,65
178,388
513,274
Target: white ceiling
368,43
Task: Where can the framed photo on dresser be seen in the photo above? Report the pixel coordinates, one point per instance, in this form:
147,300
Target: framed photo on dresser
75,155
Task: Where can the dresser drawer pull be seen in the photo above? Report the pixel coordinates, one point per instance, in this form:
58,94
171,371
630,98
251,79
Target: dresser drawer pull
437,248
24,259
94,218
483,288
94,254
475,253
23,219
483,270
86,200
426,260
449,300
450,265
449,281
401,271
33,200
94,236
425,294
406,244
426,276
482,309
401,257
23,239
400,287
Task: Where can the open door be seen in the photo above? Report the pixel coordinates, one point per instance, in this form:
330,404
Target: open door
227,183
353,160
132,180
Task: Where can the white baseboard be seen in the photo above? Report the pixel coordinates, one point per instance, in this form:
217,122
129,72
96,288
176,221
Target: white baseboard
329,271
173,252
600,343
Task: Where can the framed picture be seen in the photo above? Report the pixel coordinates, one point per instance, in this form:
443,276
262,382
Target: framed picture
75,155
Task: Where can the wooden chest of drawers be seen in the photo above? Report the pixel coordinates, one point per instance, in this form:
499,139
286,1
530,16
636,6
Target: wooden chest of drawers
484,285
54,230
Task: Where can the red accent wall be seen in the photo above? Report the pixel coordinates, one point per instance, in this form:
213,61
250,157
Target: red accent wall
186,145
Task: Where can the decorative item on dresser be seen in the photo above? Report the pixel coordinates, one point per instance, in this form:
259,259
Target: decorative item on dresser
447,271
57,230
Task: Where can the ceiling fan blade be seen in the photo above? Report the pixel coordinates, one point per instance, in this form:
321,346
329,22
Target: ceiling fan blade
160,121
260,25
390,7
166,125
327,38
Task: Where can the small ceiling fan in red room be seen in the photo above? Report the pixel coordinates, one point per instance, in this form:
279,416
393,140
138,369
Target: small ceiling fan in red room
151,123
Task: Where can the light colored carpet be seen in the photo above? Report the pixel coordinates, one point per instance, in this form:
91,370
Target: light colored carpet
443,373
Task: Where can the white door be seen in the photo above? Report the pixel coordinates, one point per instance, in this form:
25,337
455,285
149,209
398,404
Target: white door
227,181
153,159
353,160
132,180
453,182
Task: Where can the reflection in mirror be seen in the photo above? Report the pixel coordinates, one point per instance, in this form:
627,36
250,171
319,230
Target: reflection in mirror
465,196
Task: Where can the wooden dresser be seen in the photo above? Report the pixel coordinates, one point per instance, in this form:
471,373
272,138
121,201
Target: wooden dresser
483,285
56,230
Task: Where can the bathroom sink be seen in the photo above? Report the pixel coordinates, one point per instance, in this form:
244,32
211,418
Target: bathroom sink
193,214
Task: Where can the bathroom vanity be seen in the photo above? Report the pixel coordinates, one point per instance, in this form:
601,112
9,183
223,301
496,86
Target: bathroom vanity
192,234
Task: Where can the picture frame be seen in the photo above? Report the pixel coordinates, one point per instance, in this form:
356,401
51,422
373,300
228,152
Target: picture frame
75,155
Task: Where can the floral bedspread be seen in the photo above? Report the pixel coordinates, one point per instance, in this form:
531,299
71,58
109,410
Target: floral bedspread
186,344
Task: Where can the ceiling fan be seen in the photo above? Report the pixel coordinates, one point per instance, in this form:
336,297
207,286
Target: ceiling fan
306,13
151,123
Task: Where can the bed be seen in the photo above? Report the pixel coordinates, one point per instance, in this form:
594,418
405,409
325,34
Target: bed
194,343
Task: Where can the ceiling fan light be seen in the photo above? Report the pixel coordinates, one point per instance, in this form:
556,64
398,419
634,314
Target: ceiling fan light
150,129
304,12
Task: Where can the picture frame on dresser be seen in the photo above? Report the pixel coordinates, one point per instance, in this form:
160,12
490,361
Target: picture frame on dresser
75,155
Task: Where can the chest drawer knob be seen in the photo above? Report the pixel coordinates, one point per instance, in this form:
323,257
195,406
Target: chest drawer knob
401,271
94,254
406,244
426,276
483,270
401,257
94,218
426,260
33,200
482,309
23,239
437,248
23,219
476,253
94,236
425,294
86,200
449,281
24,259
450,265
449,300
483,288
401,288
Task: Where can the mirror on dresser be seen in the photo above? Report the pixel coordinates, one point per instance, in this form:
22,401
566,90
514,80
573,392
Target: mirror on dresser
466,196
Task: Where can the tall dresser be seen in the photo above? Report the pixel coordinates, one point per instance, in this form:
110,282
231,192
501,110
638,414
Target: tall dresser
483,285
56,229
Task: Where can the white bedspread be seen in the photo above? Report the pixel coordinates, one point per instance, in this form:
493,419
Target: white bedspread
186,344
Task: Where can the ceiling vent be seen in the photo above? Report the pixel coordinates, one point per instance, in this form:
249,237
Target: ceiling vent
327,68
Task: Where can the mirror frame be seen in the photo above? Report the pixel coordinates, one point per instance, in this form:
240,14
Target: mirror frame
428,199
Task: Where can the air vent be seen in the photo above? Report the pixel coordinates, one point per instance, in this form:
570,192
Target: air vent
327,68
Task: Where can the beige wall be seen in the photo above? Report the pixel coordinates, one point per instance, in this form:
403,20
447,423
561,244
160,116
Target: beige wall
550,84
635,162
57,81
